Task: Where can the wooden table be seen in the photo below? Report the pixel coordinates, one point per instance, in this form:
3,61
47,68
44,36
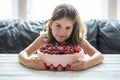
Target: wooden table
11,69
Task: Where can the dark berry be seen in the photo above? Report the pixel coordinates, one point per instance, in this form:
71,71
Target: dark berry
61,52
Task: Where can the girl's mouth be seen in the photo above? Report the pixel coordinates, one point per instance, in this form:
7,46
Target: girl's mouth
61,36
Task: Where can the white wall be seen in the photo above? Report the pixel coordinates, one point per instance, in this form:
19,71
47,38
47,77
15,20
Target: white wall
42,9
118,9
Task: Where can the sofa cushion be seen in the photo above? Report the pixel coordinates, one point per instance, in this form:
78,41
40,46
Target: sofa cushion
92,32
15,35
109,36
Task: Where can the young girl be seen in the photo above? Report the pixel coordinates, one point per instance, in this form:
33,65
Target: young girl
64,26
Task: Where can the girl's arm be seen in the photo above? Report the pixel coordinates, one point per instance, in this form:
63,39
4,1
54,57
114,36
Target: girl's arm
25,55
96,57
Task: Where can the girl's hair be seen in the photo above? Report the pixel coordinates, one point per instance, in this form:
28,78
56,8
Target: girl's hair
68,11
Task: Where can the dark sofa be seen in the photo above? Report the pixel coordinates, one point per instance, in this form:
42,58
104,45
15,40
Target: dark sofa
15,35
104,35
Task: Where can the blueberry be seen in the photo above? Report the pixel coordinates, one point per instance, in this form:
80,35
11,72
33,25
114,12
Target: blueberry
61,52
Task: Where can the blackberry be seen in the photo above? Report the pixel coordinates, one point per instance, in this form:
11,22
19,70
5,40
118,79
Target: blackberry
61,52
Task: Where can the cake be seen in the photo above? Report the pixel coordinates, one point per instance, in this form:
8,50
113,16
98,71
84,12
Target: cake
58,56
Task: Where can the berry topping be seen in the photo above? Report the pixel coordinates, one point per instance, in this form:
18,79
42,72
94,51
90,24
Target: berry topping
60,49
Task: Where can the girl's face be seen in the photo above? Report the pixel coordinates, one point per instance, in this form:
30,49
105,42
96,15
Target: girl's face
62,29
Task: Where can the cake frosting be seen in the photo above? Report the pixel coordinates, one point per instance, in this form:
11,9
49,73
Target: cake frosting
59,57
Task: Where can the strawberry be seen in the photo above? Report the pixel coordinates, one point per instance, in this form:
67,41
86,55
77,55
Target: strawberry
53,48
47,51
51,67
59,67
41,49
60,48
67,52
67,67
68,47
49,48
56,52
77,49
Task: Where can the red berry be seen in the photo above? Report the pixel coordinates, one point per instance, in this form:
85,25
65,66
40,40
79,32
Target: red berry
67,67
49,48
53,48
41,49
47,51
68,47
56,52
60,48
77,49
59,67
67,52
72,51
51,67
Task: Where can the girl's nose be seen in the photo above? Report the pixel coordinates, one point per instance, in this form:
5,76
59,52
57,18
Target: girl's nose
62,31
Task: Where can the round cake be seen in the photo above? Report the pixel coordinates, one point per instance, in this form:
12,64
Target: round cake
59,56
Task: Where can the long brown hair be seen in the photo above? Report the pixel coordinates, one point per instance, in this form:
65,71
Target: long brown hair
68,11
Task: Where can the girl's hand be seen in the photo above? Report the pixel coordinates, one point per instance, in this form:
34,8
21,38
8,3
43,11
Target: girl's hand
35,63
81,64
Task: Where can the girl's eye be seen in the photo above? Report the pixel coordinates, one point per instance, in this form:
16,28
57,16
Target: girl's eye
68,27
58,26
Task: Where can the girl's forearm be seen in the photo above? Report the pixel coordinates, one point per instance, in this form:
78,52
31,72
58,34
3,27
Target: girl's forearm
96,59
23,57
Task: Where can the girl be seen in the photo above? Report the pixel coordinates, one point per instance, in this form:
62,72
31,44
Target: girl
64,26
